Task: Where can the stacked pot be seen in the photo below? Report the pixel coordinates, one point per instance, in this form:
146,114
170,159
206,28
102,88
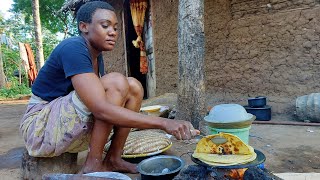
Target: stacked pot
230,118
258,107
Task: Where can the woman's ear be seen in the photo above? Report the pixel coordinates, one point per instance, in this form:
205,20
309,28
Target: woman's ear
83,27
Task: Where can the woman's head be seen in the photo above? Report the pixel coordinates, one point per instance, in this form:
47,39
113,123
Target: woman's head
86,10
97,22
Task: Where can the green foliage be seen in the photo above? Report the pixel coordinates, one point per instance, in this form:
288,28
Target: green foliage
24,32
20,27
50,16
11,62
15,91
20,31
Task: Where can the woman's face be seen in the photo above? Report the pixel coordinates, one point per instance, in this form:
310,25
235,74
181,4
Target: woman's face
102,31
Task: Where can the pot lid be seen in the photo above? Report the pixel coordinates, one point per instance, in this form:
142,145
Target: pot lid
228,113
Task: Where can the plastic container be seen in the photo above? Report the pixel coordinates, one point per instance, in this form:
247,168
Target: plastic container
242,133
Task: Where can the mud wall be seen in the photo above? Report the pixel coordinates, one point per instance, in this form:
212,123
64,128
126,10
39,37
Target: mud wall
115,59
267,47
165,24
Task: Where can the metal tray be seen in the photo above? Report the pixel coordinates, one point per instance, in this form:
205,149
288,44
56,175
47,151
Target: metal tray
259,160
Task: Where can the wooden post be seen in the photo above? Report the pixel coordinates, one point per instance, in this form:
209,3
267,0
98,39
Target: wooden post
191,86
36,167
2,75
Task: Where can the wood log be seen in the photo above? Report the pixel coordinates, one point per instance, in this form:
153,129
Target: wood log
191,84
36,167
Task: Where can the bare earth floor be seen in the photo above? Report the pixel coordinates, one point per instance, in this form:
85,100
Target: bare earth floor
287,148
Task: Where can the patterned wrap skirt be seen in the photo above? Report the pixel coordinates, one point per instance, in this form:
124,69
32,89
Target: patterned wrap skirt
52,128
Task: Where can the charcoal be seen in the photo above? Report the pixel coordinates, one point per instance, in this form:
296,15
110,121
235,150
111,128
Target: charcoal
194,172
257,173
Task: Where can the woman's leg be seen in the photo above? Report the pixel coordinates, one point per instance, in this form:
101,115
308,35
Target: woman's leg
121,91
113,157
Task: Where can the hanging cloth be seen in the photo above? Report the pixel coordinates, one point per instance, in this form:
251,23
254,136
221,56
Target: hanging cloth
138,10
24,57
32,73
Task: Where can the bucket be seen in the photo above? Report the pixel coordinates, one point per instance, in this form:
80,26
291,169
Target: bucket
242,133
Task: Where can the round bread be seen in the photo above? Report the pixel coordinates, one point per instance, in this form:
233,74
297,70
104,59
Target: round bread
226,160
233,151
234,145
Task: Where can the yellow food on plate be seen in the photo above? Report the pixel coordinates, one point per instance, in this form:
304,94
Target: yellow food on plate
216,159
231,151
234,145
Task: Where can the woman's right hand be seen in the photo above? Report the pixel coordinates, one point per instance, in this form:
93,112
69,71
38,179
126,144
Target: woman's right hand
182,130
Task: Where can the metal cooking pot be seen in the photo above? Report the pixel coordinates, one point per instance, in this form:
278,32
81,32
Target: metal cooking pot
258,101
261,113
163,167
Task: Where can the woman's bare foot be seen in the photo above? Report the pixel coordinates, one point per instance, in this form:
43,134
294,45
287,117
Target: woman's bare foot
120,165
94,165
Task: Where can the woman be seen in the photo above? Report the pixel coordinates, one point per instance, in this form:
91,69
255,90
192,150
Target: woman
74,104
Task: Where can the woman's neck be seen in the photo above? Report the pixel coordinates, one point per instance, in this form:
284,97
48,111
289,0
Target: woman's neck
93,52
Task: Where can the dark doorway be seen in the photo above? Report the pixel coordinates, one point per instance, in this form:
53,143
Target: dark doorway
133,54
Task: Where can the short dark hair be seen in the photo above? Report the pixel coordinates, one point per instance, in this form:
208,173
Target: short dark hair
85,12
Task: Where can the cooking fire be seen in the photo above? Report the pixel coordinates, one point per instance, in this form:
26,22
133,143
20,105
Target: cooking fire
202,173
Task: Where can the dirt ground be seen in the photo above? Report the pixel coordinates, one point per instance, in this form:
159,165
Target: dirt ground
287,148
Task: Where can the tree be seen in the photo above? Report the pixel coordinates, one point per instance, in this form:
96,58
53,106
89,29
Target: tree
51,18
191,85
20,31
2,75
38,34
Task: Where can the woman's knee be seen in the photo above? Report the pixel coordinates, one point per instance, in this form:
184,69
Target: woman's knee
135,87
115,82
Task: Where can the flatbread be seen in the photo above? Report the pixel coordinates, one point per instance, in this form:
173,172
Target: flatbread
225,159
234,145
231,159
233,151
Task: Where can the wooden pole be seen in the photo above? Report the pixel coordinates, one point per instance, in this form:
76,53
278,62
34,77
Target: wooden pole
191,86
2,75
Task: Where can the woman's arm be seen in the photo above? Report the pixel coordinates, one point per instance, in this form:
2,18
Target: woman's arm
92,93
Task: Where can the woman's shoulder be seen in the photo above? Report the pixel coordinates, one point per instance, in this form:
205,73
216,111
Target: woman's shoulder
68,44
72,40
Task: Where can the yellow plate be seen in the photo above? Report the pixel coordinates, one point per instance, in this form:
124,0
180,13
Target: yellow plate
151,108
147,154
